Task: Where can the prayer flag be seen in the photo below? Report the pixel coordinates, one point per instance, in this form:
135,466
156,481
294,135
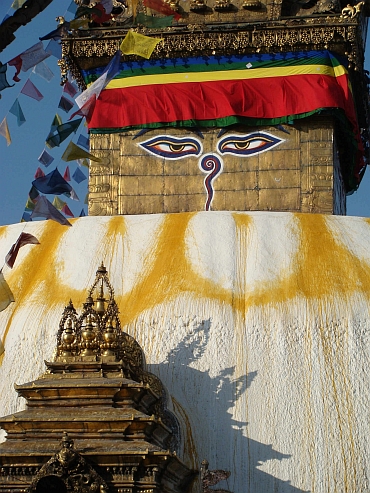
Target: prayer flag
3,81
77,23
54,48
4,131
56,34
83,142
17,63
79,176
45,158
25,218
33,194
87,109
6,296
52,183
154,22
138,44
67,175
39,173
30,90
58,203
42,70
74,195
73,152
70,89
96,87
23,239
62,132
45,209
65,104
83,162
67,211
82,213
16,110
17,4
86,201
33,56
30,205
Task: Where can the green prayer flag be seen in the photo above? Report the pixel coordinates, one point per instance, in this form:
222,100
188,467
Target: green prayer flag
62,132
17,4
29,205
58,203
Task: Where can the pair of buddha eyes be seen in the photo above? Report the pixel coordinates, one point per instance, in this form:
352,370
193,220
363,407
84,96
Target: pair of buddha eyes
170,147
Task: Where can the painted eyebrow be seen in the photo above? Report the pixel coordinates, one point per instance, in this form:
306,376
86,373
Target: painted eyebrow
143,131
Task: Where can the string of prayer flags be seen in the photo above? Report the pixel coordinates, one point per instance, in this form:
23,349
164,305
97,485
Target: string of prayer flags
83,142
62,132
16,110
45,209
43,71
39,173
96,87
67,211
30,90
70,89
138,44
74,152
23,239
4,131
3,80
58,203
6,297
79,176
54,48
28,59
52,183
154,22
67,175
82,213
45,158
65,104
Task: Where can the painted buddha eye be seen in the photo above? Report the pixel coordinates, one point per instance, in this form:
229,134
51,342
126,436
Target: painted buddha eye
247,145
170,147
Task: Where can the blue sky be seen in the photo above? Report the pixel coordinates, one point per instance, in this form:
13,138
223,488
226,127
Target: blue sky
19,160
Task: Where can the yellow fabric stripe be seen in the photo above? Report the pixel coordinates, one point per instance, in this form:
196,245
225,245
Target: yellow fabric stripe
179,78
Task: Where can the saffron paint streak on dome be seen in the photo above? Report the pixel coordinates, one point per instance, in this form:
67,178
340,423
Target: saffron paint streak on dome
258,325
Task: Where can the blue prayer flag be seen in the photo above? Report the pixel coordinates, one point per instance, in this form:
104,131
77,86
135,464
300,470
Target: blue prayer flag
16,110
84,142
82,213
52,183
79,176
45,158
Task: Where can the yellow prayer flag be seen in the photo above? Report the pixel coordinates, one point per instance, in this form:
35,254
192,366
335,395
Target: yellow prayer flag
4,131
17,4
77,23
6,296
58,203
138,44
134,4
74,152
2,349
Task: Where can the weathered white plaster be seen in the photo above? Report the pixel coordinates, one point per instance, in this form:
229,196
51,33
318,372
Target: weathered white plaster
260,333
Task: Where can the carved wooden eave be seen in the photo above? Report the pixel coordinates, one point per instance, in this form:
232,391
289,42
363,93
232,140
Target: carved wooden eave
86,49
111,412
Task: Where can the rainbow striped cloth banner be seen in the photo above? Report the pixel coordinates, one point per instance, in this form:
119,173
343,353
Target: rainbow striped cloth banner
217,91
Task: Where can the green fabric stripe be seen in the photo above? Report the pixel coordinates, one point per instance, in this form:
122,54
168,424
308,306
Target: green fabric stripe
216,67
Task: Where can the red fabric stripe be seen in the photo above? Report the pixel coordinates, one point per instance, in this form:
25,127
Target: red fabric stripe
257,98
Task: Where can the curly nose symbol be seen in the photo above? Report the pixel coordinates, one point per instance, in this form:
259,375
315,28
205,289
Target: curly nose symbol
212,166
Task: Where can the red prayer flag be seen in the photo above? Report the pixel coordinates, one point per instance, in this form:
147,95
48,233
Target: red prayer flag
39,173
17,63
70,89
23,239
162,7
67,211
67,175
